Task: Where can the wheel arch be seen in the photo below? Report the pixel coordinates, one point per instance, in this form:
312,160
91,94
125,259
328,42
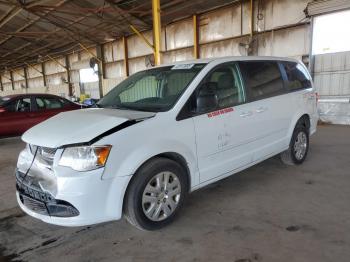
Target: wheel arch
304,120
300,119
178,158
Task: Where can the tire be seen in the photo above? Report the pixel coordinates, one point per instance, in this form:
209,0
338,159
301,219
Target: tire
156,194
292,156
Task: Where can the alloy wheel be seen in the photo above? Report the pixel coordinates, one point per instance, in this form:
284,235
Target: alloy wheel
300,145
161,196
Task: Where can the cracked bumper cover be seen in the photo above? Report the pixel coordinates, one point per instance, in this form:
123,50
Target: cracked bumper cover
35,199
80,199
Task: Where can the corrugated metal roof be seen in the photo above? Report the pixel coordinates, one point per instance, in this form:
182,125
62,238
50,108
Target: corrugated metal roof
32,29
318,7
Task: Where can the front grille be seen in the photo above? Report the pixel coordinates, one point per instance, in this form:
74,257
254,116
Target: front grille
34,205
47,154
35,199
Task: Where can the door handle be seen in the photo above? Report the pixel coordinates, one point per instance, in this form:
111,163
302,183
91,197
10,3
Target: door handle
261,109
246,114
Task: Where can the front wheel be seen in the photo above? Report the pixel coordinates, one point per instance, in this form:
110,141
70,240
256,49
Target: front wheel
156,194
298,147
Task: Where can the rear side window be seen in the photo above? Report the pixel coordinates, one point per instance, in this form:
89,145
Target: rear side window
48,103
297,76
52,103
40,103
262,78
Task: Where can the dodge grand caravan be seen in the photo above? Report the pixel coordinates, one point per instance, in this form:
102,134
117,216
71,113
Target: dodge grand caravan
162,133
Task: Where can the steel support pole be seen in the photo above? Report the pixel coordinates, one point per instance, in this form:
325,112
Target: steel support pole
44,74
126,56
251,18
195,37
70,85
157,30
1,85
25,69
12,81
100,67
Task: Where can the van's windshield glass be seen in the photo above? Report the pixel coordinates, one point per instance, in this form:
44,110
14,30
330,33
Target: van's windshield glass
153,90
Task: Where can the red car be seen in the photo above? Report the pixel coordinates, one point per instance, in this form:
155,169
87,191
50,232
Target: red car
18,113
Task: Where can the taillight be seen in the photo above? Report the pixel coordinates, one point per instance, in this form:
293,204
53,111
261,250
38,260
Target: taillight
2,109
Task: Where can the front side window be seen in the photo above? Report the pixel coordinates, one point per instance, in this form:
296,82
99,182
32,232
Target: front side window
153,90
297,76
220,89
19,105
262,78
225,82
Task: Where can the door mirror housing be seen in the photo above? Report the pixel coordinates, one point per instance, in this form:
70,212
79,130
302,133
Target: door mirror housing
207,100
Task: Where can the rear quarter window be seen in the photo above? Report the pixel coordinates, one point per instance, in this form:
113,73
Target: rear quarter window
65,102
297,77
262,79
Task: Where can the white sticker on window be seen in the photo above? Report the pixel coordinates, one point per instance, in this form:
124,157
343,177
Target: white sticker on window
182,66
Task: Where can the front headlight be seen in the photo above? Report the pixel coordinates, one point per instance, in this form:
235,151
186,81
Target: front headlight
85,158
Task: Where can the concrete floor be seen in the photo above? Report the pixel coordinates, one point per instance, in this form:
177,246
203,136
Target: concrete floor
270,212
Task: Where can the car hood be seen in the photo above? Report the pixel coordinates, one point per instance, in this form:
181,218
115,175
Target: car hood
79,126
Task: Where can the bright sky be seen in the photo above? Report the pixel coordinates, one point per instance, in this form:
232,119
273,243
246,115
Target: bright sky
331,33
88,75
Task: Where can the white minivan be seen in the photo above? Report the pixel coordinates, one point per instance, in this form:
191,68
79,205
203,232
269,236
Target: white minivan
162,133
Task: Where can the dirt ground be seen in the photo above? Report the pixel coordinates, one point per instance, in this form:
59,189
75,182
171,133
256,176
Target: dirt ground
270,212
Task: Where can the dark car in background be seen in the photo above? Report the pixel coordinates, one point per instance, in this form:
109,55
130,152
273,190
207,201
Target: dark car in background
18,113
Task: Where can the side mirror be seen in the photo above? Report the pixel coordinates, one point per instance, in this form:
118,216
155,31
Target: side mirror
207,100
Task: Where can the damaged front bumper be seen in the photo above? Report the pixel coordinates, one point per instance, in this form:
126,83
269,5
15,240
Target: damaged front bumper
62,196
35,199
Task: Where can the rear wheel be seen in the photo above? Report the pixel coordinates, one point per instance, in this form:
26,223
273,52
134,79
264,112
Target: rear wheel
298,147
156,194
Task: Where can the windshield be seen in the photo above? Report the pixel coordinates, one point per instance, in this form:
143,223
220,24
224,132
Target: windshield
153,90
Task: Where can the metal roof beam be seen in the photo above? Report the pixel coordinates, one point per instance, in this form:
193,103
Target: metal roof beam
123,12
64,27
25,26
44,37
9,15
